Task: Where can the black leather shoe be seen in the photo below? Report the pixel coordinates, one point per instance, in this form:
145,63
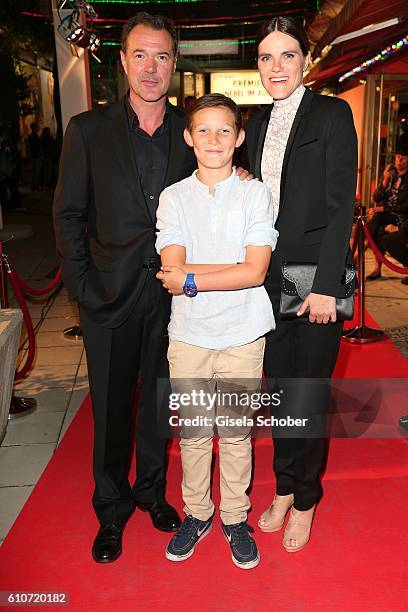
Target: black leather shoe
107,546
403,422
164,517
373,276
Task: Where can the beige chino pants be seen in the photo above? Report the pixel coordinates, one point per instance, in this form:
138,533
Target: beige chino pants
208,369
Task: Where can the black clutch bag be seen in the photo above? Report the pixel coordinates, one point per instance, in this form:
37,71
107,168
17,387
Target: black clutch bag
296,284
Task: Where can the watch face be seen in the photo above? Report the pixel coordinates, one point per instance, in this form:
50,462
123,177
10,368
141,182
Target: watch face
190,290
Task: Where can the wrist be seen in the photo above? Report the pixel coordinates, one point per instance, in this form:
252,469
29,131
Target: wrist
189,287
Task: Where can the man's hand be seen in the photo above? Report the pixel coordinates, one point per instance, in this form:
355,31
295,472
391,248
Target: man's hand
391,228
322,308
244,175
173,279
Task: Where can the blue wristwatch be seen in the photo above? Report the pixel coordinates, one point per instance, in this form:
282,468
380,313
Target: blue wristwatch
189,287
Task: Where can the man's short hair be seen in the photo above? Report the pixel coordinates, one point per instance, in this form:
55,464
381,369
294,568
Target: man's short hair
156,22
214,100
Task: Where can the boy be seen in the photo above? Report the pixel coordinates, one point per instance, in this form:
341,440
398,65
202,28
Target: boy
220,312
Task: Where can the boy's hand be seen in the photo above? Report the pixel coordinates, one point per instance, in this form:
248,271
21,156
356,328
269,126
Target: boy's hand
173,279
322,308
244,175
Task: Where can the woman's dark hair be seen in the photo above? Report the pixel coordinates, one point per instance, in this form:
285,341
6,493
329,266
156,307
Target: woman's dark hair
156,22
212,101
287,25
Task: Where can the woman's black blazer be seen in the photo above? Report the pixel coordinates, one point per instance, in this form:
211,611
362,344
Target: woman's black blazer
318,189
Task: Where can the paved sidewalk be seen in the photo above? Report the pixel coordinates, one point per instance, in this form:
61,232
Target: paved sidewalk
59,378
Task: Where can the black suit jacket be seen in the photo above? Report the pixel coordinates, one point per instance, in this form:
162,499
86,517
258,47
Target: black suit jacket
317,195
104,229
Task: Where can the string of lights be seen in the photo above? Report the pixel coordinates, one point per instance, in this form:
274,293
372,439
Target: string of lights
381,56
230,18
149,1
186,44
179,26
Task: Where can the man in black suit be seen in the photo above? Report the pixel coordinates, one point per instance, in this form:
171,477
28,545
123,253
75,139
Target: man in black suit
115,162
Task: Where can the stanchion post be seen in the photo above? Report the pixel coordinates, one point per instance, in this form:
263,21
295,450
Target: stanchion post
362,334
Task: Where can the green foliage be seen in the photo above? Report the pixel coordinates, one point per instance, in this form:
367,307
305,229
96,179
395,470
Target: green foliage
23,95
18,31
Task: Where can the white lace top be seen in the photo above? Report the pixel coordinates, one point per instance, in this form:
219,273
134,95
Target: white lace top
277,134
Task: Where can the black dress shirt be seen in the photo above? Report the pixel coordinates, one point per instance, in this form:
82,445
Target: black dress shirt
151,155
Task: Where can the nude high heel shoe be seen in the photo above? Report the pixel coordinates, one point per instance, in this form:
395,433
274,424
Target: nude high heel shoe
273,518
297,530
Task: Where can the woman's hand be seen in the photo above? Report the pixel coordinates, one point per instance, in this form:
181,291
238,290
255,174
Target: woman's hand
322,308
173,279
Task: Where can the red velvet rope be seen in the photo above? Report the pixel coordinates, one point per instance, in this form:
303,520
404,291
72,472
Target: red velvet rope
37,292
380,256
20,286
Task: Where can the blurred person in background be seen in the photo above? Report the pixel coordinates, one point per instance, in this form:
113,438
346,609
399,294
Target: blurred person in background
49,157
189,102
391,209
36,157
9,166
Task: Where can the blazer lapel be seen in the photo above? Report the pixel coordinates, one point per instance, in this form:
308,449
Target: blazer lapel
124,153
303,109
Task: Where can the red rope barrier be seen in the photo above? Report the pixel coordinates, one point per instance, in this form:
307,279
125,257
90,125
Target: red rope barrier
380,256
20,286
37,292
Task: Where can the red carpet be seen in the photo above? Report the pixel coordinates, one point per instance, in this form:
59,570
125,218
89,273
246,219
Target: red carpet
356,559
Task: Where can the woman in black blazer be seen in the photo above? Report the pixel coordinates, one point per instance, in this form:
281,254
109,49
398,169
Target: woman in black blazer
304,148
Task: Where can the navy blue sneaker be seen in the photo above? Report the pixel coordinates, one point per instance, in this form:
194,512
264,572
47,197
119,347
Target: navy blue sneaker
183,543
243,547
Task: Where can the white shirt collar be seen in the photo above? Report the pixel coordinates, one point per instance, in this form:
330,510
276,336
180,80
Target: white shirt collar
200,185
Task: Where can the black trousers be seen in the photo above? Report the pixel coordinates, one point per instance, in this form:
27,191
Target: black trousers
376,226
396,243
115,359
301,350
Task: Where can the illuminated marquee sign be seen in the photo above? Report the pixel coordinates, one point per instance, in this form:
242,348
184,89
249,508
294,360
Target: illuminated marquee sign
244,87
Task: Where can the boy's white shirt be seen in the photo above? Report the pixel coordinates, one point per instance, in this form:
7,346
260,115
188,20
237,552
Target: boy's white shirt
216,229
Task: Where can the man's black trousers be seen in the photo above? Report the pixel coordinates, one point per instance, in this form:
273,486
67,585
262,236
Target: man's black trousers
116,357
